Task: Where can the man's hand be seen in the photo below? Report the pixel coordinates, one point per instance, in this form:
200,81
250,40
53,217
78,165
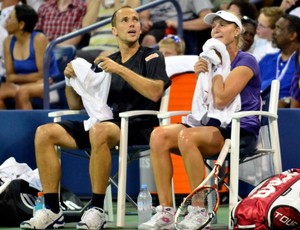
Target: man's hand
107,64
69,71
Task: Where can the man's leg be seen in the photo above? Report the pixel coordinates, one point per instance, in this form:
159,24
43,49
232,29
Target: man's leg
103,137
48,162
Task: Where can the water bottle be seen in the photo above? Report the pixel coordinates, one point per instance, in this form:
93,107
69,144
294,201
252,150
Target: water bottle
144,201
39,202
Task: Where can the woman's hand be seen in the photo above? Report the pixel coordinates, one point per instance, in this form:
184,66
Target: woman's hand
201,66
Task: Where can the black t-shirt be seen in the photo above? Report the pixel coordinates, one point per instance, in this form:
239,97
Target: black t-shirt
122,97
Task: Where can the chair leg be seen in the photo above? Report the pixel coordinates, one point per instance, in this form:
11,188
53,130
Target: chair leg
108,205
173,195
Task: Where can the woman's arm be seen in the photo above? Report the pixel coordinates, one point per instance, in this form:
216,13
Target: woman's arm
225,92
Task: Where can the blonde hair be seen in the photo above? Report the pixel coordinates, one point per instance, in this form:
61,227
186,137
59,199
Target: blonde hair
176,41
273,13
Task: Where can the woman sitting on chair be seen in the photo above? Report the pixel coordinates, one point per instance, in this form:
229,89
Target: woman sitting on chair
24,51
197,139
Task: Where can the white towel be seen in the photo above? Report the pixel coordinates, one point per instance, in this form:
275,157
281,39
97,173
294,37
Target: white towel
93,89
11,170
180,64
203,106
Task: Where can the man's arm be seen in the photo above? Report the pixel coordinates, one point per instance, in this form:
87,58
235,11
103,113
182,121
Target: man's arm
73,99
149,88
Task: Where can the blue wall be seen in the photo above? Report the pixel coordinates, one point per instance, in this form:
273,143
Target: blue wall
17,140
17,135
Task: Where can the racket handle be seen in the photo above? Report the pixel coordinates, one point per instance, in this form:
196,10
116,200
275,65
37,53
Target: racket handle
223,152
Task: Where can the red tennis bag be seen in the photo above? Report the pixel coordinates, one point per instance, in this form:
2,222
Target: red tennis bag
273,204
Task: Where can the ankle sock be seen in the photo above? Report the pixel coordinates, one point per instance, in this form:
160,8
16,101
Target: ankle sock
52,202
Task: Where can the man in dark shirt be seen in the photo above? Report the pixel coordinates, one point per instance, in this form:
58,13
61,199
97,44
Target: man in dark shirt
138,79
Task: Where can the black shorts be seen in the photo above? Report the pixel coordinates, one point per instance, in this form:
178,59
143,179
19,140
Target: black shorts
138,134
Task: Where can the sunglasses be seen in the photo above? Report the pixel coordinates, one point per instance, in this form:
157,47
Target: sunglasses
250,20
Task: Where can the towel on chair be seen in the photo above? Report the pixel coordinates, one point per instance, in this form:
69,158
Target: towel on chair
180,64
93,89
203,105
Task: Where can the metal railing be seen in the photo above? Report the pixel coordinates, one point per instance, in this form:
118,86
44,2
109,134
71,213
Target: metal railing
52,44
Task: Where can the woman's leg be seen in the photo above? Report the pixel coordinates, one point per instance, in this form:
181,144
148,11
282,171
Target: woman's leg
163,142
196,144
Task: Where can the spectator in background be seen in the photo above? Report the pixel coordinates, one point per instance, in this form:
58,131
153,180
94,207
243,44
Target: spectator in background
23,52
247,38
288,6
220,4
171,45
243,8
154,22
35,4
295,88
195,33
6,7
267,18
281,65
59,17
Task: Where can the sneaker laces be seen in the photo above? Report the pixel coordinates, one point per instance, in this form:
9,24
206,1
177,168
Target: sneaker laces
196,215
42,216
91,215
160,214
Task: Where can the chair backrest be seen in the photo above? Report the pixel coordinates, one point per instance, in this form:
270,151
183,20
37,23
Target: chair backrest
181,96
63,55
274,96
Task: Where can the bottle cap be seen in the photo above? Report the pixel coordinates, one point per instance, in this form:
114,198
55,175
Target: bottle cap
144,186
40,194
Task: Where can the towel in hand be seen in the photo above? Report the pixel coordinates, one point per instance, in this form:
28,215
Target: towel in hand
93,89
203,105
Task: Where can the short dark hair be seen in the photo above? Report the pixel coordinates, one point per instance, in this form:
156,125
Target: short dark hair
294,24
246,8
113,17
28,15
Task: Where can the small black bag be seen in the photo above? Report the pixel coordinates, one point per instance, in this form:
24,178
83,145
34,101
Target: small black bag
17,202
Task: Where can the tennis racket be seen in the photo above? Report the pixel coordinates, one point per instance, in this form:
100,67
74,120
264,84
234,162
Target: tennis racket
206,196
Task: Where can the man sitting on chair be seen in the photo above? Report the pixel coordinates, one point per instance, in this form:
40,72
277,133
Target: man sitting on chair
138,80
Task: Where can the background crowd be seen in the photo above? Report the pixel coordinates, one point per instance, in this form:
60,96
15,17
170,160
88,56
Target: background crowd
159,27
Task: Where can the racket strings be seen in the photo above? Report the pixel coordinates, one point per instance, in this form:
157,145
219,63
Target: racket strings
199,207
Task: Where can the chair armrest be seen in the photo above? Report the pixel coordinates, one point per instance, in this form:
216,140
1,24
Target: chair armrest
134,113
165,115
58,114
239,115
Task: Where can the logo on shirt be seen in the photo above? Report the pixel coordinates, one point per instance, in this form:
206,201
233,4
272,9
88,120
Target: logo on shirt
151,56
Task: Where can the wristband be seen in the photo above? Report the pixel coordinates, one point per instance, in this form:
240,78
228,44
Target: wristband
217,70
67,80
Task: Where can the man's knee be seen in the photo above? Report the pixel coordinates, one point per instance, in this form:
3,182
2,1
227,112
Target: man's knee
44,134
104,132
